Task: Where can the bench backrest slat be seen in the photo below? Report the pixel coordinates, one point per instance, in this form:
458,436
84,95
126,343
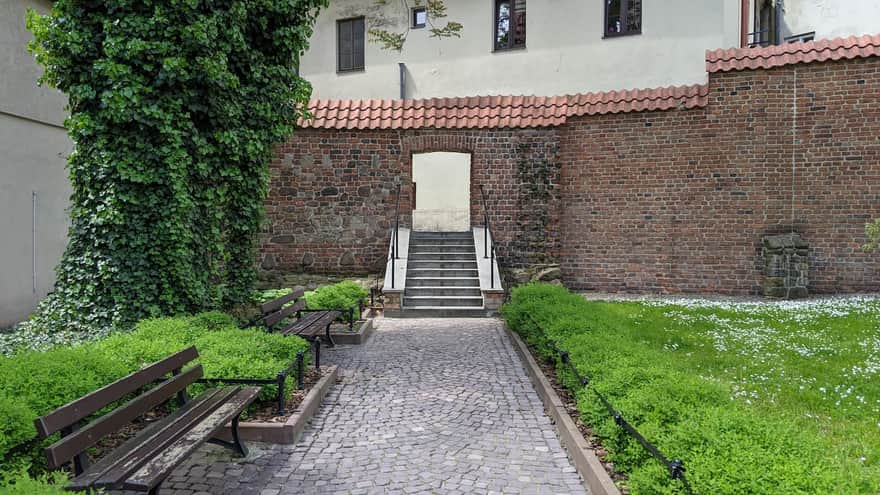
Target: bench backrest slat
277,316
71,413
66,448
276,304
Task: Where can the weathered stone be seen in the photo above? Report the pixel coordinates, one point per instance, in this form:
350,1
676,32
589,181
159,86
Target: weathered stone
548,274
282,239
347,259
329,191
781,241
786,266
269,262
308,259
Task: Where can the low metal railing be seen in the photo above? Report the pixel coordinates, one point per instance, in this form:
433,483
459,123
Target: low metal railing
488,238
394,252
674,467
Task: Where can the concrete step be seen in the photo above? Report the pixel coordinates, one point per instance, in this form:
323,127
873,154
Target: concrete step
439,312
449,291
443,302
436,264
440,272
451,256
442,235
441,248
443,282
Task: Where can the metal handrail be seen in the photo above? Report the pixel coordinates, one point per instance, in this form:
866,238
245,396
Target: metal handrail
394,252
487,234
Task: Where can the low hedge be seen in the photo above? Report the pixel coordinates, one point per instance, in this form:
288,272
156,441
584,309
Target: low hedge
343,295
728,447
35,383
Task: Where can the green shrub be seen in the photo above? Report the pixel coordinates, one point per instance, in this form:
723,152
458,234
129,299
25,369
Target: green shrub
35,383
20,483
343,295
680,401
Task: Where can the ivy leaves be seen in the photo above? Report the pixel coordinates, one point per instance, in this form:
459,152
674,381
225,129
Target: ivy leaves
175,106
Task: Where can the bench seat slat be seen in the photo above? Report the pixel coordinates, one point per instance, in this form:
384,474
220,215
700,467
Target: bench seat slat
272,319
316,323
160,466
81,408
276,304
66,448
106,469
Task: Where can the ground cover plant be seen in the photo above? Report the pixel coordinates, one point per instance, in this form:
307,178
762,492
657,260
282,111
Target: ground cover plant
342,296
754,397
36,382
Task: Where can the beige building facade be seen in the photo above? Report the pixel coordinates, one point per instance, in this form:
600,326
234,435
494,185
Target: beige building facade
566,46
34,189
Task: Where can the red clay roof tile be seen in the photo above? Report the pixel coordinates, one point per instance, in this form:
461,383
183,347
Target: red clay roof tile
493,111
792,53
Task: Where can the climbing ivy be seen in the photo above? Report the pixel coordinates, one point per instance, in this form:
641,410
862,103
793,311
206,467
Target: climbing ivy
175,106
537,170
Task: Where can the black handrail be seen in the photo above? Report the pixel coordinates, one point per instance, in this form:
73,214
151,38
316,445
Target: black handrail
487,234
395,235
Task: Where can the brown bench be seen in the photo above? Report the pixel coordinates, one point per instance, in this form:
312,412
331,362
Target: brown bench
144,461
309,324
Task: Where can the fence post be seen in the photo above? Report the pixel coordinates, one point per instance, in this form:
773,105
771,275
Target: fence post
280,380
300,369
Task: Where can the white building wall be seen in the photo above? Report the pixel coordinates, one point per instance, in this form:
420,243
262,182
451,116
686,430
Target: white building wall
443,194
565,50
33,151
831,18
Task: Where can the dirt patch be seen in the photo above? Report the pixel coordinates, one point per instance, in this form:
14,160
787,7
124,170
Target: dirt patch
267,412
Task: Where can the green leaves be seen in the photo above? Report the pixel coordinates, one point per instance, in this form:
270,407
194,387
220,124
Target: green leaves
175,106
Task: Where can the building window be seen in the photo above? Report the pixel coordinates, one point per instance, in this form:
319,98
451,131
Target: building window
419,17
623,17
350,45
510,24
801,38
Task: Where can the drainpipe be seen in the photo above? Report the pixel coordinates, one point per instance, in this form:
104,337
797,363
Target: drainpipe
402,67
34,239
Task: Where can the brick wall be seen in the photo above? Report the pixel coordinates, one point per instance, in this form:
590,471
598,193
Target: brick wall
667,201
331,197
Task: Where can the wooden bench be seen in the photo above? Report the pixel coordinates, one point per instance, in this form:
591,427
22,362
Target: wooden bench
144,461
309,324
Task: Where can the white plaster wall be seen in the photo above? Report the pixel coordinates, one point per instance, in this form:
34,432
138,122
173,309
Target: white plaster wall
19,93
831,18
565,51
442,192
33,151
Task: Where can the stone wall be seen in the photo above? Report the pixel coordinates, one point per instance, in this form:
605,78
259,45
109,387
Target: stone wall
665,201
331,197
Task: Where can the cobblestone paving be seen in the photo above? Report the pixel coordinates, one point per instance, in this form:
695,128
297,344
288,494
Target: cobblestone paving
426,406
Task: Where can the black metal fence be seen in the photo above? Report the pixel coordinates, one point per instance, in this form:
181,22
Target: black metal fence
674,467
298,367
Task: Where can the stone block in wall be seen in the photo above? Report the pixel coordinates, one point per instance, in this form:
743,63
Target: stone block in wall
786,266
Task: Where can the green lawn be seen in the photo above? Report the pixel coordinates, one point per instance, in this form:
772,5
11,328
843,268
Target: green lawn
754,397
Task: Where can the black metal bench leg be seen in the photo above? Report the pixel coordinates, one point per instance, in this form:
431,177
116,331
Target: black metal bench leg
236,445
154,490
330,342
317,343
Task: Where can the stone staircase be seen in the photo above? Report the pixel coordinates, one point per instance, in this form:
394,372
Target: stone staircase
442,277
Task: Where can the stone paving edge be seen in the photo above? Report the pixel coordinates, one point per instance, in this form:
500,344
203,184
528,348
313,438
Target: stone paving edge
357,337
585,460
289,431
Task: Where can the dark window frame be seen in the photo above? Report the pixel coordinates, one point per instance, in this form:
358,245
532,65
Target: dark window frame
511,38
354,67
624,8
414,24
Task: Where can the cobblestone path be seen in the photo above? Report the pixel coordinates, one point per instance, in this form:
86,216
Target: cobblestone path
426,406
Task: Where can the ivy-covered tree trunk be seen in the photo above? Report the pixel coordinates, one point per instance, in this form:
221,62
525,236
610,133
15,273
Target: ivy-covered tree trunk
174,108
